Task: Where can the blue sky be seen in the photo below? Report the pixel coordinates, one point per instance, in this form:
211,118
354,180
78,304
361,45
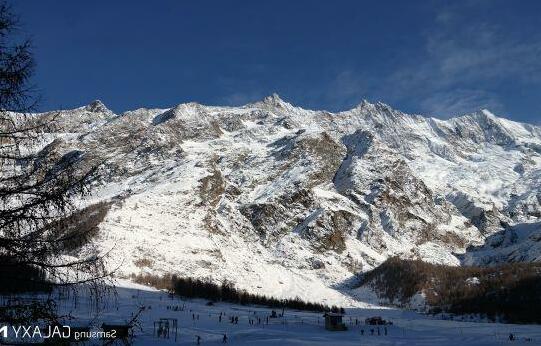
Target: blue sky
438,58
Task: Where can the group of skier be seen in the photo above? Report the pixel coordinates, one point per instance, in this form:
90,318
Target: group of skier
372,331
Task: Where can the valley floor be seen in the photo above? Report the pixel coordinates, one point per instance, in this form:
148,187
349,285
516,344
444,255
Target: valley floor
296,328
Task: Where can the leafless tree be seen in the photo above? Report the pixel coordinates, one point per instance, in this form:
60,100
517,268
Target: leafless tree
37,188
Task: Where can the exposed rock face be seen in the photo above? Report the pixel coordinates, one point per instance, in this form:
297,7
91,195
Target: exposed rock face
296,201
330,230
265,217
518,243
400,207
321,152
212,187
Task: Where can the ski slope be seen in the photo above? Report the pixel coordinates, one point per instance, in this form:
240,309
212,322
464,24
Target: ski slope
296,328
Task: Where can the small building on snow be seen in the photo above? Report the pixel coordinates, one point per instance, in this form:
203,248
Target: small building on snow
333,321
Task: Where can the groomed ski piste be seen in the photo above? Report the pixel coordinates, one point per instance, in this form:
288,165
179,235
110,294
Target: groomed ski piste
197,318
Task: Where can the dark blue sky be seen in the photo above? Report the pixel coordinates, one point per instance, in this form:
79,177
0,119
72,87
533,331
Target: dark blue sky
432,57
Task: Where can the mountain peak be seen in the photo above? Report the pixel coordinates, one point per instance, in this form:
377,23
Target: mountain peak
97,106
482,117
487,112
363,104
275,100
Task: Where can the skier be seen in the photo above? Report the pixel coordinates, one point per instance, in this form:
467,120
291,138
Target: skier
198,340
224,340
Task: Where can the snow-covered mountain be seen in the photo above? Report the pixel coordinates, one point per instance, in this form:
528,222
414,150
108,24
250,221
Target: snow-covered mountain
293,202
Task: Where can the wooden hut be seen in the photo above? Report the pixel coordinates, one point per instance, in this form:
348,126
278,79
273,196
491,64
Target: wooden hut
333,321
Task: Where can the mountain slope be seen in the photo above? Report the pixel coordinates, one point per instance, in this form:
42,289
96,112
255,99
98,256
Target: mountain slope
287,201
